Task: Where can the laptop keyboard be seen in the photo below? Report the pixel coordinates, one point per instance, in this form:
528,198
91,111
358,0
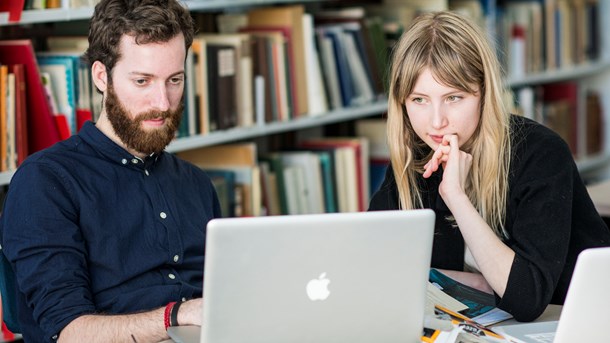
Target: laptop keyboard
546,337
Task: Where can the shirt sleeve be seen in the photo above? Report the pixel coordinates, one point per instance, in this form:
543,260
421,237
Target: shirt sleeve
539,222
43,242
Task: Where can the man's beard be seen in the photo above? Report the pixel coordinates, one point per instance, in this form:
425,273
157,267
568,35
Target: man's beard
130,131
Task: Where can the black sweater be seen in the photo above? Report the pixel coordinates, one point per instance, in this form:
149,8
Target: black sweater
550,219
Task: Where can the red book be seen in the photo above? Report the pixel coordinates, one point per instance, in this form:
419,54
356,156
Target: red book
42,131
82,116
14,9
62,126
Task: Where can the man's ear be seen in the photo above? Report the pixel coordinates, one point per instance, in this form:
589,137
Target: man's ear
100,76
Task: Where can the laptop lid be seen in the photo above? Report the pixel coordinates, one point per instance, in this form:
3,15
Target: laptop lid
341,277
585,315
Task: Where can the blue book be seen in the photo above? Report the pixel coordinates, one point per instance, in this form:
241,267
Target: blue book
345,79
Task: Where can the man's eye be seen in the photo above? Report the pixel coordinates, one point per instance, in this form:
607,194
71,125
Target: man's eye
140,82
176,80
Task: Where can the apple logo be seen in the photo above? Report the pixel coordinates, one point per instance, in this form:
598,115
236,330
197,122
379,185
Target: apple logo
317,289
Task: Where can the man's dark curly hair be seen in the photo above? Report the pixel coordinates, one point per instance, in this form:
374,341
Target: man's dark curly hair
149,21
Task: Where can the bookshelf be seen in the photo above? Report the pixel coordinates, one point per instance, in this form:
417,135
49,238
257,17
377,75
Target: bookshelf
584,63
593,74
67,15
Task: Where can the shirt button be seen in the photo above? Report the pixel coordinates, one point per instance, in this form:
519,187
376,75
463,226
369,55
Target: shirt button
176,258
162,215
172,276
124,161
55,337
146,172
134,161
183,299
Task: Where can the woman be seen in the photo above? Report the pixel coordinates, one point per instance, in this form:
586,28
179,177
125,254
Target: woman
512,211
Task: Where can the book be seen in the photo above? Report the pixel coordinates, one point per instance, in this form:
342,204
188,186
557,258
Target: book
201,119
374,129
561,111
241,159
329,69
21,126
276,166
316,94
224,183
270,192
14,9
243,75
292,17
62,71
280,61
4,100
458,329
42,130
310,182
222,86
478,302
11,151
360,165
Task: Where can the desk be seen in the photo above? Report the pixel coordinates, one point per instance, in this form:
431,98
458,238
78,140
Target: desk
600,194
551,313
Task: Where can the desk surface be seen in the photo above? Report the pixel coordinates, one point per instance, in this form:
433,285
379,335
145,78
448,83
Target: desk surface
551,313
600,194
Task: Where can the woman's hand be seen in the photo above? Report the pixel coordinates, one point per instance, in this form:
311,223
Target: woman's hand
456,166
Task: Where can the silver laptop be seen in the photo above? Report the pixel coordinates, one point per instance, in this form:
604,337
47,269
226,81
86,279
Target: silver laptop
342,277
584,316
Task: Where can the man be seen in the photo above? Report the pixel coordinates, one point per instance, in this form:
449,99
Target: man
105,231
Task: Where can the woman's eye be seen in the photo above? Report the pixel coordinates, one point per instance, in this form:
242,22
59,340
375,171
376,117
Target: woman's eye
418,100
453,98
140,82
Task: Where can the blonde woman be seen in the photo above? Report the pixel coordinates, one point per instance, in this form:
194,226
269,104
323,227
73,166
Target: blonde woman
512,210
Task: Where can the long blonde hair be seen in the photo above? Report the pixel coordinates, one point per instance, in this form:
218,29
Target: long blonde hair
459,55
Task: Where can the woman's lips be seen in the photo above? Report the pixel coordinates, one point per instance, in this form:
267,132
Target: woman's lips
437,138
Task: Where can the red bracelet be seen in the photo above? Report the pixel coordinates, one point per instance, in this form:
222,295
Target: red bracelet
166,315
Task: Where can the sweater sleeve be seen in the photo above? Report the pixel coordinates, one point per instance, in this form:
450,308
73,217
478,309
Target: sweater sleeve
538,221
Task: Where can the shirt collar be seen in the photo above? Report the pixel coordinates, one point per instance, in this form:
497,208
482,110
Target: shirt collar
91,135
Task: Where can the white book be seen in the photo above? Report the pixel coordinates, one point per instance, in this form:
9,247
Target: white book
313,194
291,189
347,179
316,97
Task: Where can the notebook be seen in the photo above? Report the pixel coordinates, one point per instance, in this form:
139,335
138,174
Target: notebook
341,277
584,316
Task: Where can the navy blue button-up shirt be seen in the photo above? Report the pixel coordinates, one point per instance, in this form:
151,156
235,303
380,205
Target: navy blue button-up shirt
89,228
